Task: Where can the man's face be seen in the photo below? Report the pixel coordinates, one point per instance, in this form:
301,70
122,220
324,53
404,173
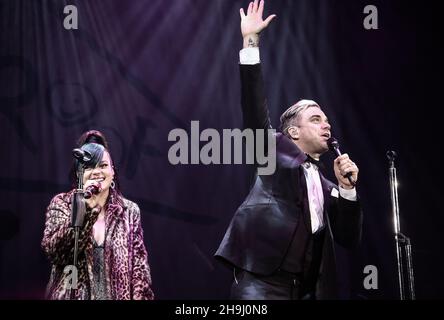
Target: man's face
312,131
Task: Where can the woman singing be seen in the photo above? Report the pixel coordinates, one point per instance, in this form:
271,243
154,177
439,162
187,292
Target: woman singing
112,258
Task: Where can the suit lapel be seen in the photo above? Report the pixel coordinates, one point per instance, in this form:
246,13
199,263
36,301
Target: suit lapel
327,187
305,207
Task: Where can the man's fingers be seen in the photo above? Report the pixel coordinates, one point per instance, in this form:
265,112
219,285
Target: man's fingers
250,8
242,13
255,5
268,20
341,158
260,10
345,171
346,165
348,168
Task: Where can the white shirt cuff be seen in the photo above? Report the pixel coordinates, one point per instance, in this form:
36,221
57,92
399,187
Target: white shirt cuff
348,194
249,56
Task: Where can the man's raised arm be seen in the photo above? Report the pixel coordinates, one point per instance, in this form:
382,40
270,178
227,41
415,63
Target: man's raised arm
254,107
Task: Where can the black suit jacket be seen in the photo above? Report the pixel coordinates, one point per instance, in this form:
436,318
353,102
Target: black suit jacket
263,227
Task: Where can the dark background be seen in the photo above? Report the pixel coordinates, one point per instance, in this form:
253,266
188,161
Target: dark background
138,69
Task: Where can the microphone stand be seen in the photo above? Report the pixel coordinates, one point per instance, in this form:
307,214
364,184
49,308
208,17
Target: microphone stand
402,242
78,215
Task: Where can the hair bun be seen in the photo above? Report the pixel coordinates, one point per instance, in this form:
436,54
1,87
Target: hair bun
93,136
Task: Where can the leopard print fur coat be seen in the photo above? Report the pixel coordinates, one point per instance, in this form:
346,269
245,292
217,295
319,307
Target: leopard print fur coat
126,259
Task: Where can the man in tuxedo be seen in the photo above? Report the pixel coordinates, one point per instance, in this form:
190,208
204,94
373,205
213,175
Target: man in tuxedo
280,242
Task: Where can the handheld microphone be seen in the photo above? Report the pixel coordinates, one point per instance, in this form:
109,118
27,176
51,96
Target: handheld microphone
92,189
333,145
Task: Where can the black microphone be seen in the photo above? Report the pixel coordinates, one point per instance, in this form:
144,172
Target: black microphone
92,189
82,155
333,145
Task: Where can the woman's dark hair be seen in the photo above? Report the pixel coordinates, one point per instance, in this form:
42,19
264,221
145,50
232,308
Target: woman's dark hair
96,144
96,151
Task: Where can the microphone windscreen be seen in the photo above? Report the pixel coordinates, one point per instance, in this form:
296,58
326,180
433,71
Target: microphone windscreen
82,155
332,143
78,154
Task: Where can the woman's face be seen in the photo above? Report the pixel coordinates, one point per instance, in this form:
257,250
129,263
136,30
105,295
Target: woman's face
102,173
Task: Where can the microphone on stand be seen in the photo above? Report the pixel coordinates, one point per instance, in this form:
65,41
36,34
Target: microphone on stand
82,155
333,145
78,210
391,156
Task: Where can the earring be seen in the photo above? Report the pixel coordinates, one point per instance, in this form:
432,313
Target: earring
113,184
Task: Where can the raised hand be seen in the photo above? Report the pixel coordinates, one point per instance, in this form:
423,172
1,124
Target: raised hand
252,23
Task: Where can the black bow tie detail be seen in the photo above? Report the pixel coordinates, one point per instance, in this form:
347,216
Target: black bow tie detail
318,163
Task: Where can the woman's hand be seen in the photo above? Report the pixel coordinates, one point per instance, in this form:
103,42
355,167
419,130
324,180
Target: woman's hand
92,202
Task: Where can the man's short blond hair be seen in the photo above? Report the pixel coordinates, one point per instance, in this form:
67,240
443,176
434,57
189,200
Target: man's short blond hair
290,116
